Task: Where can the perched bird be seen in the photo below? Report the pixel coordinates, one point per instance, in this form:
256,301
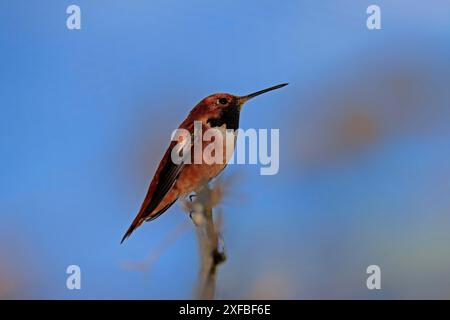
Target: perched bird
174,180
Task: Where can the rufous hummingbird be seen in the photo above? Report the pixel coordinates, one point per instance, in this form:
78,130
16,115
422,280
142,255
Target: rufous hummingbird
174,180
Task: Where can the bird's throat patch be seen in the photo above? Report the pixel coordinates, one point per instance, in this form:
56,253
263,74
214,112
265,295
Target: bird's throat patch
228,116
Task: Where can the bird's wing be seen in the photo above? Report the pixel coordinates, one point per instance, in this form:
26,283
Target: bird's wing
164,179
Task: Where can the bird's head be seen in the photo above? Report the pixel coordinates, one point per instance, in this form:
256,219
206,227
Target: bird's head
222,101
225,107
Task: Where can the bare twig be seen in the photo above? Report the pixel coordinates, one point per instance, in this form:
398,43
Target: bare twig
208,235
211,253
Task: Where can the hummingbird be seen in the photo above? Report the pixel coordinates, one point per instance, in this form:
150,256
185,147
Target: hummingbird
176,180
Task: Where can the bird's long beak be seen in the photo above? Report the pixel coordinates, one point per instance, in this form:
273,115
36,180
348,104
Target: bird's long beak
244,99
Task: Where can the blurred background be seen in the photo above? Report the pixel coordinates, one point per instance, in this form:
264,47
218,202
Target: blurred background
364,153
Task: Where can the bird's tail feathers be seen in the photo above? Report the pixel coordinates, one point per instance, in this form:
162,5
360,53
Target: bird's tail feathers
136,223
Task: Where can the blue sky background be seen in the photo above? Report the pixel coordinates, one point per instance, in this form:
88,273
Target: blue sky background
364,171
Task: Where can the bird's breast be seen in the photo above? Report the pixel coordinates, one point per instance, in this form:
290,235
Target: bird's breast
218,145
217,149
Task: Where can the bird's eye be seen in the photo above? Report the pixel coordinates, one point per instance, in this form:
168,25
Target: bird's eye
223,101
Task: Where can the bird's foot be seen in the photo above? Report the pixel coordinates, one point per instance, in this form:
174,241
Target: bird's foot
194,217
